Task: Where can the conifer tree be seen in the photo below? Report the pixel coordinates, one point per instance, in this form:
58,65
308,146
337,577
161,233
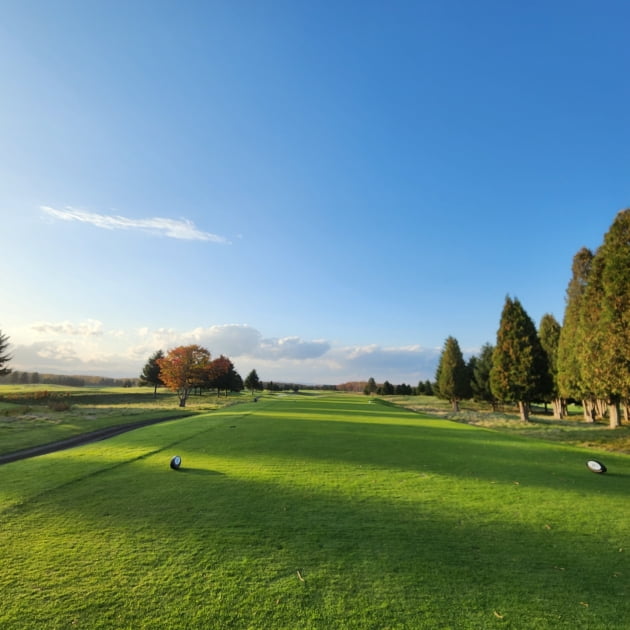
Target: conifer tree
570,380
518,359
371,386
549,335
4,356
480,383
252,382
451,375
604,342
151,372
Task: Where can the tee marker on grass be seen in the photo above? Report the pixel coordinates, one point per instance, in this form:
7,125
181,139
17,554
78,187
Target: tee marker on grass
595,466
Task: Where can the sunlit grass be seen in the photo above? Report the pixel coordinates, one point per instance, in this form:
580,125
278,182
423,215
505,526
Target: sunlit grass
31,421
572,430
315,513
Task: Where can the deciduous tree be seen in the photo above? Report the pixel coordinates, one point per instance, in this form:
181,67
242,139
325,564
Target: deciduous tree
223,376
184,368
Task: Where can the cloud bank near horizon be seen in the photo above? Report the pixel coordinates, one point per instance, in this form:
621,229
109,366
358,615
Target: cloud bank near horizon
182,229
88,347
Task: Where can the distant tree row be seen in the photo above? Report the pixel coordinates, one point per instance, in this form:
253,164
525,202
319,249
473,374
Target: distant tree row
388,389
17,377
585,358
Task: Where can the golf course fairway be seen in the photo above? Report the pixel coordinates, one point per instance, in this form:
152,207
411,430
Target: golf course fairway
315,512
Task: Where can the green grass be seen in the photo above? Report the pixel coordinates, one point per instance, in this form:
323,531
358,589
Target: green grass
28,420
571,430
315,512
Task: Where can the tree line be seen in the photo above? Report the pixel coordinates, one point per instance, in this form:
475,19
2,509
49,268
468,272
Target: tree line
186,369
17,377
370,387
586,359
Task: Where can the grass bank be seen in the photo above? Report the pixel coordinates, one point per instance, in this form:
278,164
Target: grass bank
571,430
315,512
35,415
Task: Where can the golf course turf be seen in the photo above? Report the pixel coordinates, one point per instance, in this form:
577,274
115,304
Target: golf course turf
315,512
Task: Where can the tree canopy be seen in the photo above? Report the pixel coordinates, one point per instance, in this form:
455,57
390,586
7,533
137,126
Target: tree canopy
603,336
184,368
570,382
5,357
518,360
252,382
549,335
480,381
452,376
151,372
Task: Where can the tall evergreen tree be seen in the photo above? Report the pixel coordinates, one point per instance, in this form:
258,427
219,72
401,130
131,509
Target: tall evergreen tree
252,382
518,359
549,335
570,381
5,357
151,372
480,382
605,318
371,386
452,376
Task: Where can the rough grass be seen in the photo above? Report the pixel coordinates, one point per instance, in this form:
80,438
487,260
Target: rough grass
315,512
31,418
572,430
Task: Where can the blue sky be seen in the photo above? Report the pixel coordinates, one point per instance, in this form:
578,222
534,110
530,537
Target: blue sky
323,191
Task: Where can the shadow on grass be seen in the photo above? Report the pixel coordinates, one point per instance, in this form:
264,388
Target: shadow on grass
199,471
432,563
420,523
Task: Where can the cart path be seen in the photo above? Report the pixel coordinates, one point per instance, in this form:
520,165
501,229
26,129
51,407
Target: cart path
79,440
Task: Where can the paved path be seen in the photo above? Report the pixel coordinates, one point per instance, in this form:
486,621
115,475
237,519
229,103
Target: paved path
78,440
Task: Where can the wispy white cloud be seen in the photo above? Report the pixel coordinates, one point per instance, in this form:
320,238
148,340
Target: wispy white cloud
182,229
88,328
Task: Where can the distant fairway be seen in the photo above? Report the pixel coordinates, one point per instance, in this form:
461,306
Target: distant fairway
325,512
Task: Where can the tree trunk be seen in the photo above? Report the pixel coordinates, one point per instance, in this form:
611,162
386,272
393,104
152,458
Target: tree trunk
600,408
558,408
183,396
589,410
523,409
155,391
455,405
613,414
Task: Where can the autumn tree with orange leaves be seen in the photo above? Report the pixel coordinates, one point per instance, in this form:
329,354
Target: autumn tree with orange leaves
184,368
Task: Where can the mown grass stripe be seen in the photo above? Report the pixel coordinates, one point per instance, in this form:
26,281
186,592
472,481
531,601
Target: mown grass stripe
392,520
